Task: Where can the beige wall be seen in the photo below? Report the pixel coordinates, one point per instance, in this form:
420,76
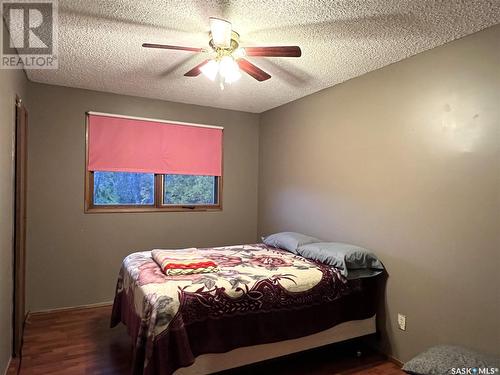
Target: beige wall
12,82
405,161
74,258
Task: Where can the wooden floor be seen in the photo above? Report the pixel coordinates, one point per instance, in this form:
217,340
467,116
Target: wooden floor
81,342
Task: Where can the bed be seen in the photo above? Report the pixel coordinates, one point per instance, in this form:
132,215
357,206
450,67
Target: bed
263,302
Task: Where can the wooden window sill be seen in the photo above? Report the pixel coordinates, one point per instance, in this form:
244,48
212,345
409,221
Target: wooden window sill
132,209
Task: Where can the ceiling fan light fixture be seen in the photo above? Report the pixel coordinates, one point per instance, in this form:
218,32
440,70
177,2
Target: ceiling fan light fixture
229,69
233,77
210,70
226,60
239,53
220,31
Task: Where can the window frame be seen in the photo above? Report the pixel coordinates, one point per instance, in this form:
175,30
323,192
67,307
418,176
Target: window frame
158,206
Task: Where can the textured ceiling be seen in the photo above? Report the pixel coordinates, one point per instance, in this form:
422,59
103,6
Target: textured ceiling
100,44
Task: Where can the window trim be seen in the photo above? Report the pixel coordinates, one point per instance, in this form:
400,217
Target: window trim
158,205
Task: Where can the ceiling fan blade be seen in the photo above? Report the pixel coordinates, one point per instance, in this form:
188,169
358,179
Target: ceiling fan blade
280,51
166,46
196,70
221,32
253,70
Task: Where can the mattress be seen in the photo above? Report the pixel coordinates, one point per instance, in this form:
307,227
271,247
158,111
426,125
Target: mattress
259,295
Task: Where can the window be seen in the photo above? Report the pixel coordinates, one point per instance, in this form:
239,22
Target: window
151,174
138,190
122,188
189,190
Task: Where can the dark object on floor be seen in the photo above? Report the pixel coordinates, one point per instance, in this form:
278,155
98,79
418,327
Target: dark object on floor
441,360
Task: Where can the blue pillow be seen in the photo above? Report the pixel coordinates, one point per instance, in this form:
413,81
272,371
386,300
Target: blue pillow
353,261
288,240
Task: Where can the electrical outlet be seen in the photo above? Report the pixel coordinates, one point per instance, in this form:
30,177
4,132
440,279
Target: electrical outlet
402,322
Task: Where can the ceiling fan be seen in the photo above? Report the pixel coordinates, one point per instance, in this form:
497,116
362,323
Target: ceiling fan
227,57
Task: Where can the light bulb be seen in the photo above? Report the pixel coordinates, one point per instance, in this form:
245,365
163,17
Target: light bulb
229,69
239,53
232,76
210,69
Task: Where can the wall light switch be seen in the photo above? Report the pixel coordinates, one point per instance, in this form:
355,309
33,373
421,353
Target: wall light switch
402,322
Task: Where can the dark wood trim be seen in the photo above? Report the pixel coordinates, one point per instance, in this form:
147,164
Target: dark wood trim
221,178
136,209
65,309
21,169
158,205
89,181
159,179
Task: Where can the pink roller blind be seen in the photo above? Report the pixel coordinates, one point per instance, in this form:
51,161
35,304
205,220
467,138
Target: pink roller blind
128,145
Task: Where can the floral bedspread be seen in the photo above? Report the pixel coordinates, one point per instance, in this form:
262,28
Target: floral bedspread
252,280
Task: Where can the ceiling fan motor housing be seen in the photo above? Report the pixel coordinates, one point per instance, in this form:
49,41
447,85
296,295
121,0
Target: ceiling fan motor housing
221,51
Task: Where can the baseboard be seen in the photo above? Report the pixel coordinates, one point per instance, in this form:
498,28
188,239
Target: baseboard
72,308
396,361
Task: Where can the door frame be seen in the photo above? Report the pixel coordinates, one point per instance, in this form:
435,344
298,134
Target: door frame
20,183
